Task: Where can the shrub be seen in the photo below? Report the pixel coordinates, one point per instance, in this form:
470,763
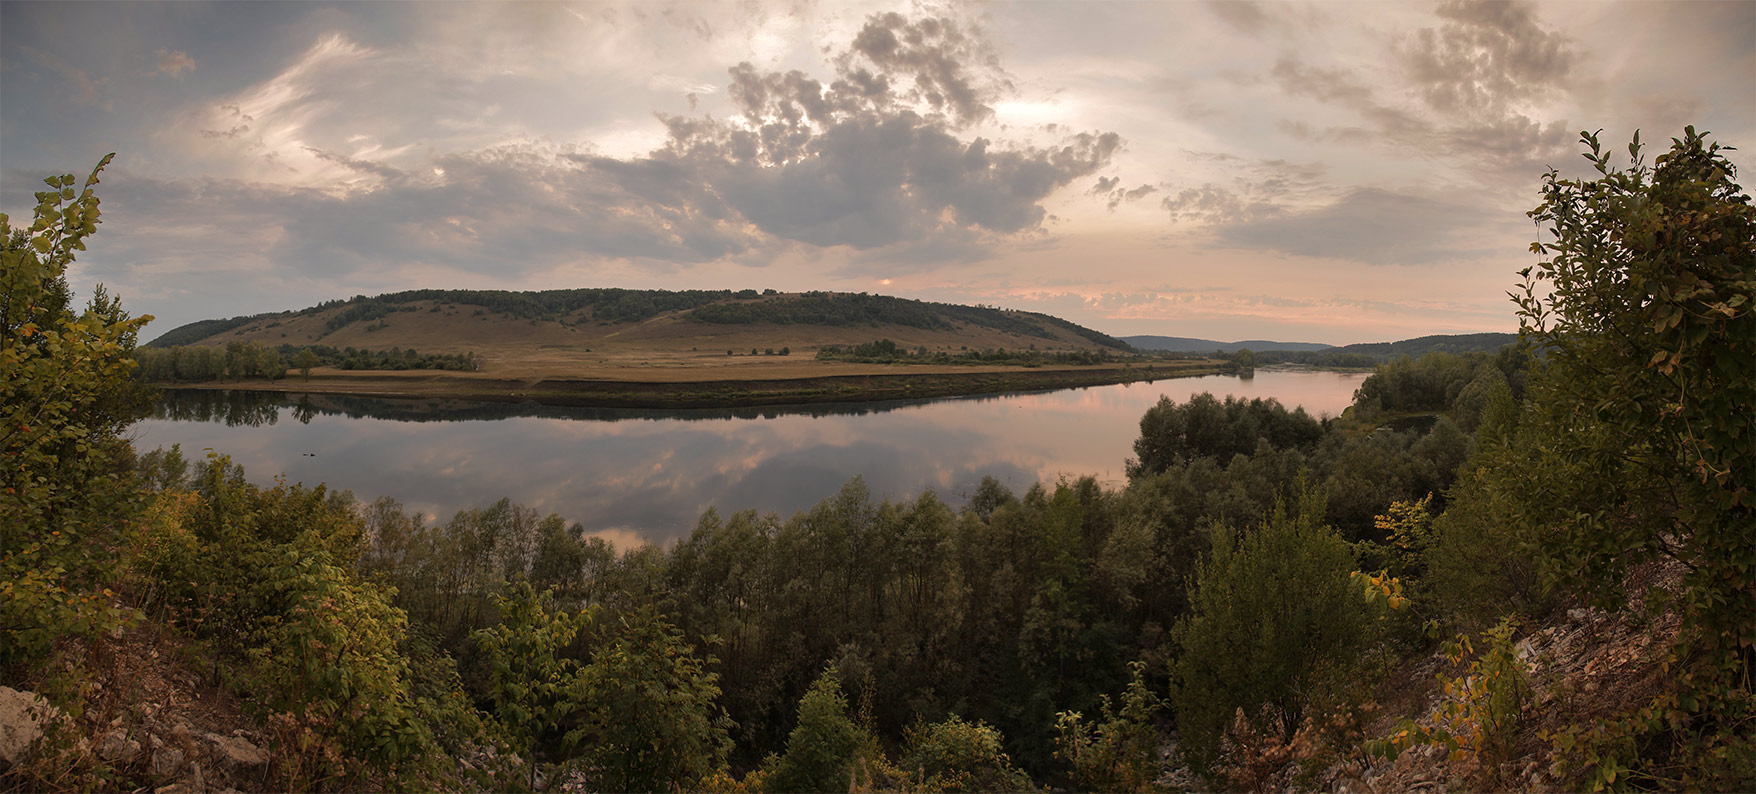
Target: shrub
1120,752
1274,622
954,755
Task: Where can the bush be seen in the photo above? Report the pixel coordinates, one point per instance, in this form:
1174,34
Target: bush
1120,752
954,755
1274,622
649,721
823,746
65,396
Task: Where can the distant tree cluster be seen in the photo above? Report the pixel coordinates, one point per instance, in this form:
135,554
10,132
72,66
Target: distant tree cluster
1206,427
241,360
885,351
840,310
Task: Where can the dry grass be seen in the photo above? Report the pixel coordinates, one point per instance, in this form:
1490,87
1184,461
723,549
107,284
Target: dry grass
664,349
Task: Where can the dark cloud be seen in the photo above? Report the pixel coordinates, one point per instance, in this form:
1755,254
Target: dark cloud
1502,141
1486,56
1259,190
949,70
1111,190
853,162
1245,15
1211,203
1367,225
362,166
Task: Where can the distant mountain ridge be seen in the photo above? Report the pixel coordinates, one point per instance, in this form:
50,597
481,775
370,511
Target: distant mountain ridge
1314,352
1184,344
1422,345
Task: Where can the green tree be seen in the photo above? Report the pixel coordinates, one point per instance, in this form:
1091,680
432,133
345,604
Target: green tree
1120,751
958,755
530,683
1274,622
271,365
824,744
1638,428
65,396
305,360
649,719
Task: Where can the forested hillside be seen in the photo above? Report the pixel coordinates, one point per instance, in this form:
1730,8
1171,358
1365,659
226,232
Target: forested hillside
1280,602
610,307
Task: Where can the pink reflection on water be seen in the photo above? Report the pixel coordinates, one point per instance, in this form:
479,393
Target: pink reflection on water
654,476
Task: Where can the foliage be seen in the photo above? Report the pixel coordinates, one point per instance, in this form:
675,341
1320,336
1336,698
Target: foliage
1206,427
955,755
1429,383
1478,717
1408,529
64,398
824,745
331,663
239,360
884,351
530,684
649,721
847,309
1274,620
1120,751
1638,436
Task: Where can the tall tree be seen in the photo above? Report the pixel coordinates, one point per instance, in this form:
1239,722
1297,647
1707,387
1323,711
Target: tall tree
1639,440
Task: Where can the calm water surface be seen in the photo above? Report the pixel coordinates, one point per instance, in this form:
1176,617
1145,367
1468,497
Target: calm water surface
634,474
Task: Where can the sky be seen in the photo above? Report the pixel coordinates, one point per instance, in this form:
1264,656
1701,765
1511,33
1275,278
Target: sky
1334,172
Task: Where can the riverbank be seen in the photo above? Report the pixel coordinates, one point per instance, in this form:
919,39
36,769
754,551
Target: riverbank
807,383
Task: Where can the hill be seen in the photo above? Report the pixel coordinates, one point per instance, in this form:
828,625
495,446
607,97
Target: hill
1184,344
612,347
1420,346
452,321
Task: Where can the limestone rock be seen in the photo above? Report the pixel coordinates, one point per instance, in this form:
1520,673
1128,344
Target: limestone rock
23,717
237,751
166,761
117,748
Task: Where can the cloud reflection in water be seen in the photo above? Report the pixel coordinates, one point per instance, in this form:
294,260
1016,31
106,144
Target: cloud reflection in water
652,473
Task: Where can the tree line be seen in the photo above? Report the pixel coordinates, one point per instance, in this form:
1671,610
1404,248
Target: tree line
885,351
239,360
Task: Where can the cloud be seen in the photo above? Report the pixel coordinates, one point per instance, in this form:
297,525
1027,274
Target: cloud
952,71
1110,188
1244,15
871,159
1211,203
1260,189
876,158
175,62
1486,57
87,90
1366,225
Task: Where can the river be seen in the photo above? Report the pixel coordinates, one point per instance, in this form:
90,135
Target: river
632,475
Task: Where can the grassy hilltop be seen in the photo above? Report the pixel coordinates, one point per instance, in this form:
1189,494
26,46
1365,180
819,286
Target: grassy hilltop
613,346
